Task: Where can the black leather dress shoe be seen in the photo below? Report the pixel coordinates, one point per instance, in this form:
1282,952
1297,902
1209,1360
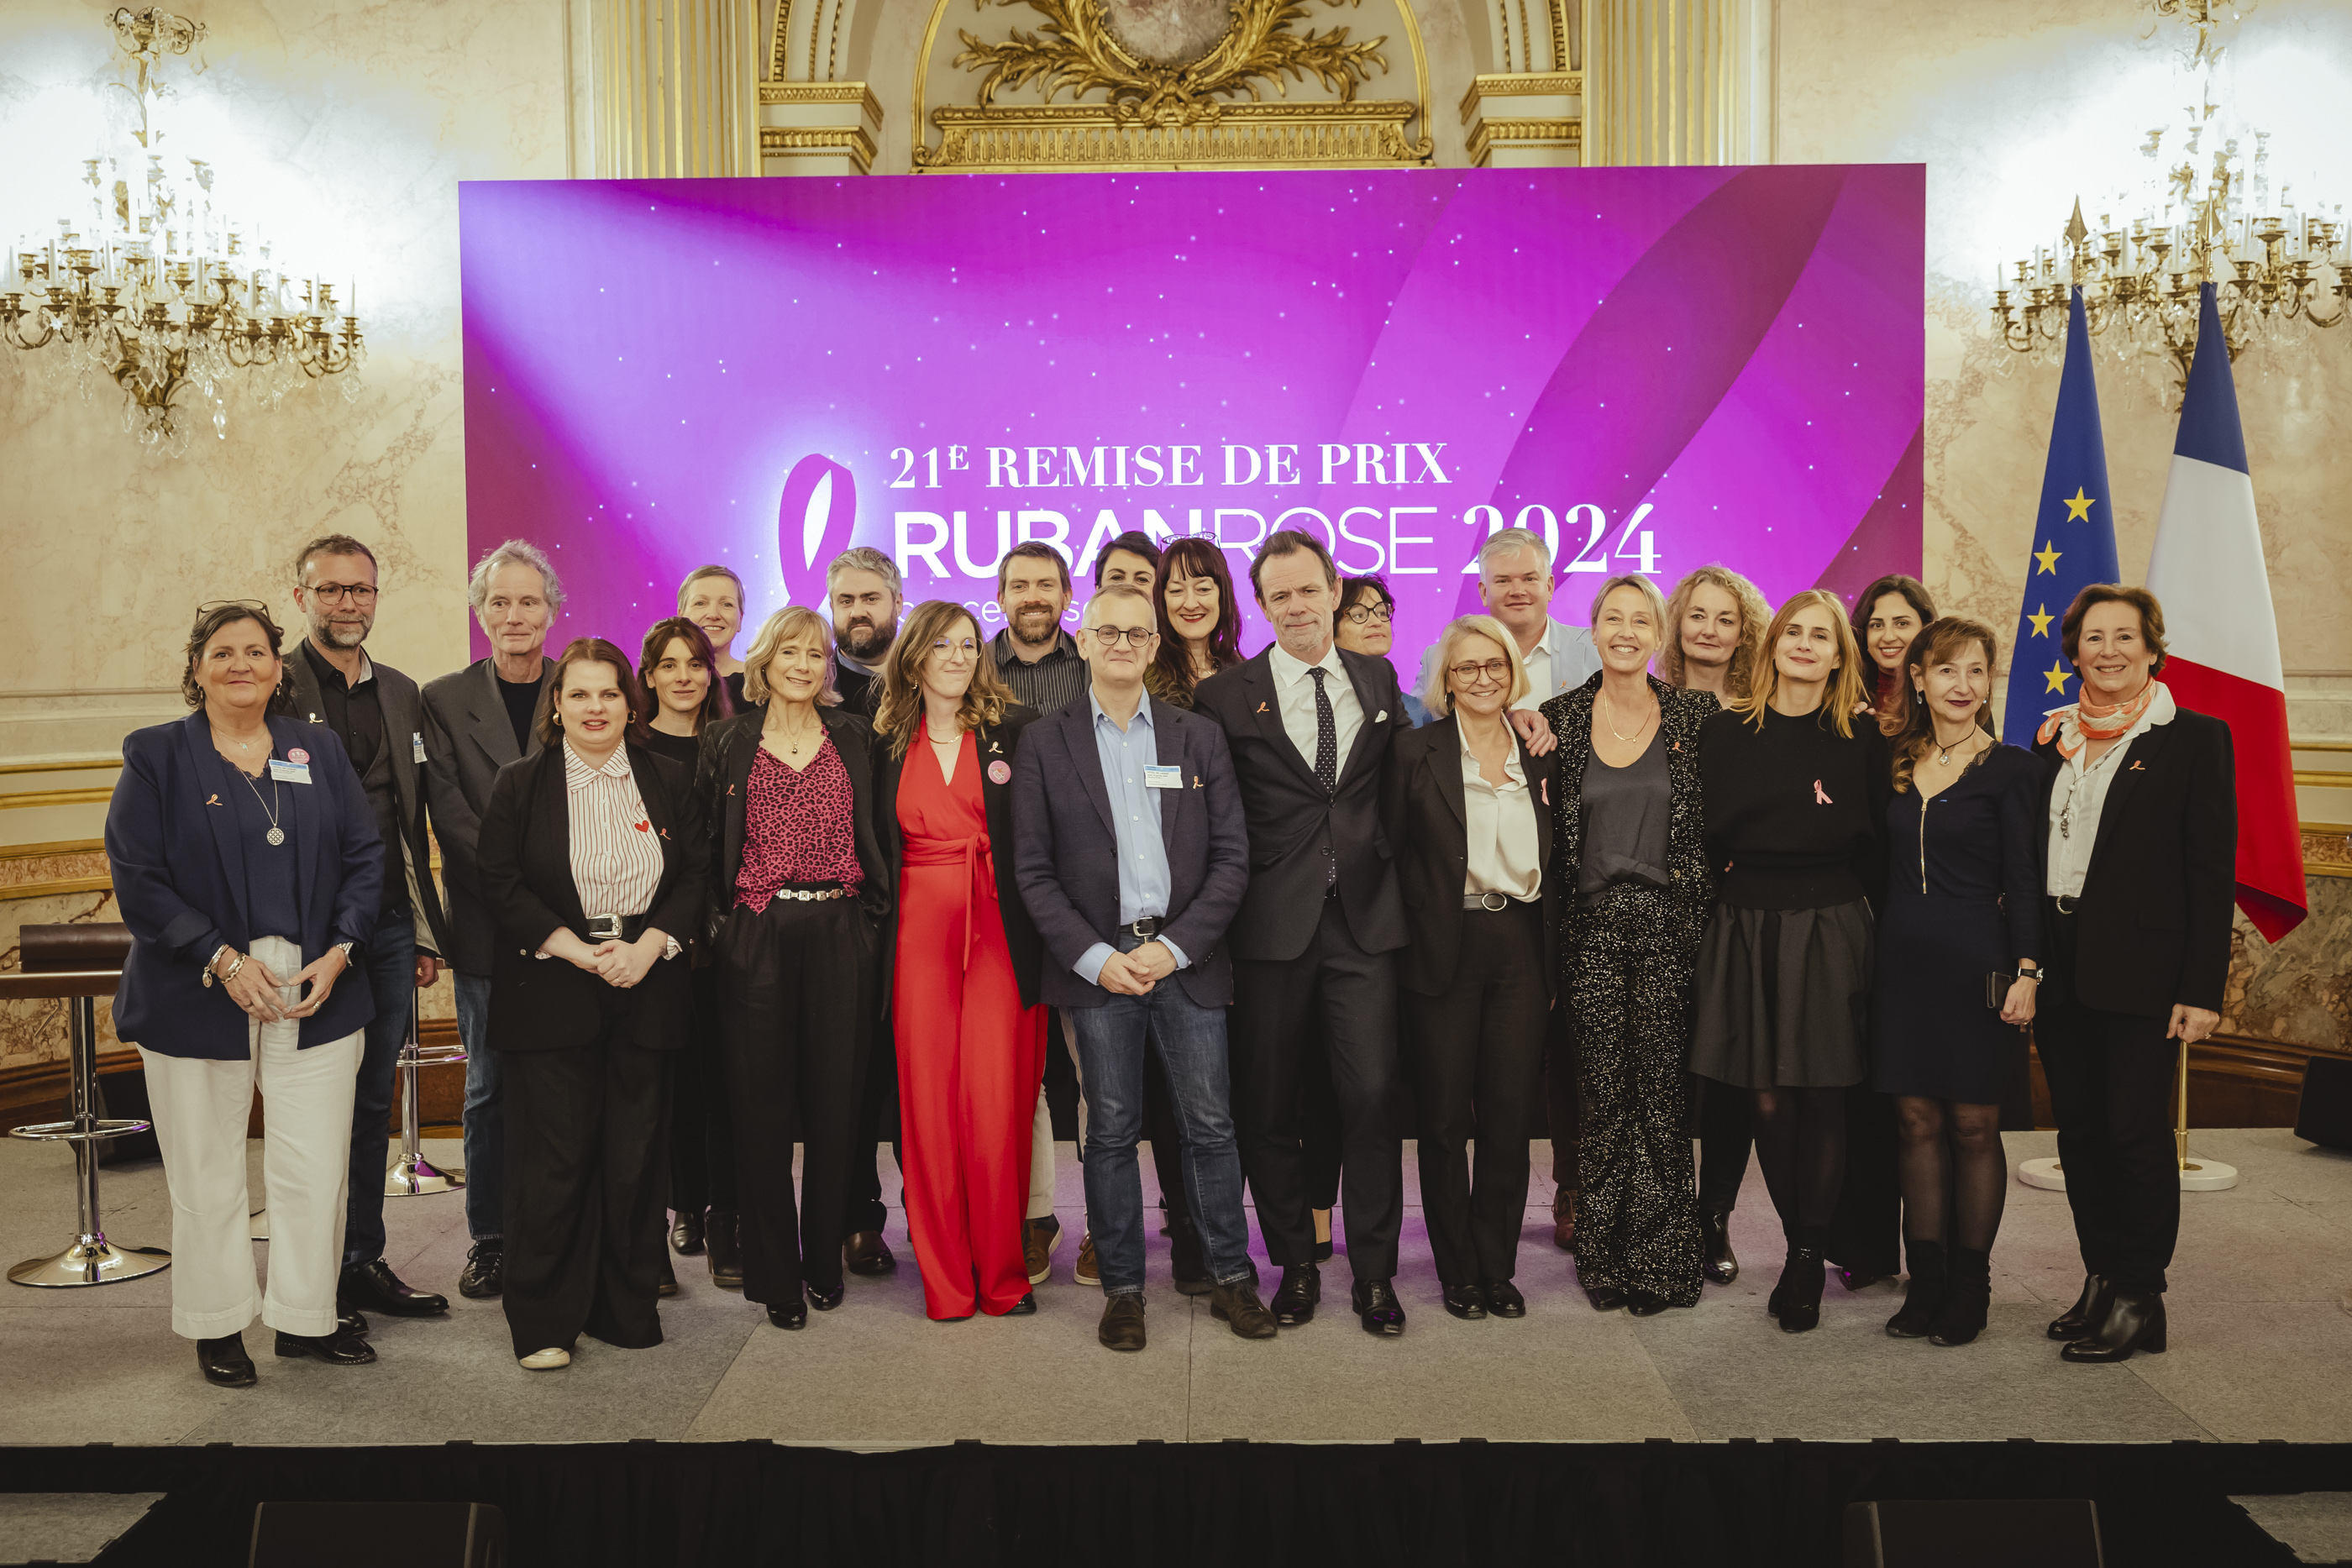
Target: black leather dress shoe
1604,1298
2089,1310
1026,1307
350,1319
867,1253
1468,1303
1377,1305
1503,1299
374,1288
686,1232
1859,1279
668,1284
1722,1266
788,1314
1295,1298
1643,1304
723,1242
826,1301
2135,1321
223,1362
337,1349
485,1268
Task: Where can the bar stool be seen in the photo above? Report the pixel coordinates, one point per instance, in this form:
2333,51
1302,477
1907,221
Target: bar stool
411,1175
80,964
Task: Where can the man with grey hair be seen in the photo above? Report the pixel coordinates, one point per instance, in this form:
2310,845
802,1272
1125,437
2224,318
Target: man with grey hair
864,595
476,722
1515,585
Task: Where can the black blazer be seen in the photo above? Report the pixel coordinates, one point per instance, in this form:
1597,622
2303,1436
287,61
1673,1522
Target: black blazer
999,742
1430,805
525,856
2153,925
730,747
1066,852
1290,817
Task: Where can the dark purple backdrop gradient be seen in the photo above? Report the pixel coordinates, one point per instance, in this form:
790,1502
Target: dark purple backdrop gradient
761,372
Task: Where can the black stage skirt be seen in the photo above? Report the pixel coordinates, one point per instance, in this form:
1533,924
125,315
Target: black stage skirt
1784,998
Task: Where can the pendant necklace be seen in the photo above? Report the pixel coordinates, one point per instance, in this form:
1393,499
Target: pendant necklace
276,835
1612,721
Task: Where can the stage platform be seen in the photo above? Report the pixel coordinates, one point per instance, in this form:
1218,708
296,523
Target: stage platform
2261,1334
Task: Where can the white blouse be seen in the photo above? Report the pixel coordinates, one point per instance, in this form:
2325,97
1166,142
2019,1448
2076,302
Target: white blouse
616,857
1501,821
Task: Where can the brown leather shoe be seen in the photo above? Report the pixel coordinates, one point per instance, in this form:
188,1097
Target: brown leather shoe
1563,1219
1086,1270
1122,1323
1037,1245
1237,1304
867,1253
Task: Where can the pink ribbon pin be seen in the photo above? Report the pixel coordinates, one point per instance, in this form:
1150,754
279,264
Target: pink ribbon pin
1821,795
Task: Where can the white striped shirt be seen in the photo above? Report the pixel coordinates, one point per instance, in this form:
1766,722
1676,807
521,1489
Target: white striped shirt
616,859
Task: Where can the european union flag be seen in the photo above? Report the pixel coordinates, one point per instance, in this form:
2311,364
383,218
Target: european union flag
2073,542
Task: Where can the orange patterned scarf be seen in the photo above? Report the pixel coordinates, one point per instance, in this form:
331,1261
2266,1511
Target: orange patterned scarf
2077,723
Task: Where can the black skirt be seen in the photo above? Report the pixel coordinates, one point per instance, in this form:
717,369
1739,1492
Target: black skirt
1784,998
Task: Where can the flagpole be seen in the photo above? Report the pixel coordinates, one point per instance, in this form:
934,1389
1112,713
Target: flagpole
2197,1175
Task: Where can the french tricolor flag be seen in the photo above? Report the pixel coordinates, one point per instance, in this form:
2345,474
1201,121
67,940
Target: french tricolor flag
2220,630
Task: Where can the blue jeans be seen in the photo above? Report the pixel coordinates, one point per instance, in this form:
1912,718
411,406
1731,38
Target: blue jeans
390,959
486,1113
1192,1041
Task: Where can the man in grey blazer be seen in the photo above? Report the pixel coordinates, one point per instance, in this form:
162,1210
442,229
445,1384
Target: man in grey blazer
1515,585
1131,856
378,715
476,722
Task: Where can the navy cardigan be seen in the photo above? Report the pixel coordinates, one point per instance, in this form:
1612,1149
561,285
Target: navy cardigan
179,878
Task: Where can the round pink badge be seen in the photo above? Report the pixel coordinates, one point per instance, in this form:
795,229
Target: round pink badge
999,772
298,755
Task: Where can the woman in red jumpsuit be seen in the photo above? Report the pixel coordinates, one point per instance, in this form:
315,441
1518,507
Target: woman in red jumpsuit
963,988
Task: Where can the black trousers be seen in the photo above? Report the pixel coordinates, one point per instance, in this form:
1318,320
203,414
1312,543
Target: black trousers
1867,1232
1319,1130
1563,1110
1477,1057
701,1135
2111,1081
796,989
1337,999
587,1130
1726,1135
877,1112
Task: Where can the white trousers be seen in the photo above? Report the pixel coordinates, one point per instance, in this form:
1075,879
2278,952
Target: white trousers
201,1110
1041,1133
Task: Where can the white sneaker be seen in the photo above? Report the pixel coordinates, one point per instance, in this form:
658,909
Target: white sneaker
546,1360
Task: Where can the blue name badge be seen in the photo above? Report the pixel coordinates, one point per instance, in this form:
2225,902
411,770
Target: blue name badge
1158,777
285,772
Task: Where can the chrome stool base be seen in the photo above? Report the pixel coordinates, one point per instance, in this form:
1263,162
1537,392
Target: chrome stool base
414,1177
92,1261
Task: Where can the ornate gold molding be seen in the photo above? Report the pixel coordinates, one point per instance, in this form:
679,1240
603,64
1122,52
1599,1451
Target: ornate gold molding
1492,133
819,142
869,107
1519,84
1096,136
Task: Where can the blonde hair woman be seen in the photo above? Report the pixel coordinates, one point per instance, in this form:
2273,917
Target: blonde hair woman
964,992
1796,795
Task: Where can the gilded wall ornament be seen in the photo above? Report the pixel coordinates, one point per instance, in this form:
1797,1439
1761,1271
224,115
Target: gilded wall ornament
1133,52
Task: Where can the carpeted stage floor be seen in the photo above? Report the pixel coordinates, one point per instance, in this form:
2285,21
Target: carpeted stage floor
2262,1336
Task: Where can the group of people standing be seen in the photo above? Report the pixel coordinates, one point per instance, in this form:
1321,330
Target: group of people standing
1766,878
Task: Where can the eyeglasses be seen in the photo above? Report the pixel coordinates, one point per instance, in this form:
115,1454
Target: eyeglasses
1133,636
336,593
211,604
1491,670
1360,613
962,645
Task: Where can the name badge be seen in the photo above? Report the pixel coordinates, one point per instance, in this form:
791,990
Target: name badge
1158,777
290,772
416,745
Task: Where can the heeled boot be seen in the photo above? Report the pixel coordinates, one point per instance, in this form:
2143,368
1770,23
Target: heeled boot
2134,1322
722,1241
1966,1299
1798,1293
1721,1266
1923,1295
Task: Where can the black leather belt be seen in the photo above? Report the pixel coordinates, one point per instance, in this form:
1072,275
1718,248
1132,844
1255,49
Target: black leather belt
613,929
1145,929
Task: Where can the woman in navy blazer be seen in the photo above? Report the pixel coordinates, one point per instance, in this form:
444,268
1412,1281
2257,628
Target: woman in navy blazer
247,867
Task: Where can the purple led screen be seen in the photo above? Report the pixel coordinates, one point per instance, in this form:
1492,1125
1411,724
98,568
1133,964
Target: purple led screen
1655,368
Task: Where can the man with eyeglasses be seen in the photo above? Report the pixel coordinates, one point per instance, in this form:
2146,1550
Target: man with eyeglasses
378,714
1131,858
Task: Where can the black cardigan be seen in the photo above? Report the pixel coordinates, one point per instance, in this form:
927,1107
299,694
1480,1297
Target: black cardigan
525,856
1682,717
997,744
731,747
1430,804
2153,925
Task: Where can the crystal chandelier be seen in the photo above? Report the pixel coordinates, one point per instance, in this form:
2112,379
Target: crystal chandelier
2282,269
151,287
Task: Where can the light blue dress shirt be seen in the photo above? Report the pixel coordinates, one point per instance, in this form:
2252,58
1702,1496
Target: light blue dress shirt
1143,879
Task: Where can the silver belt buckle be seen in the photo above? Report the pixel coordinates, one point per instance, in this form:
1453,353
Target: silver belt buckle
2065,901
1494,903
603,928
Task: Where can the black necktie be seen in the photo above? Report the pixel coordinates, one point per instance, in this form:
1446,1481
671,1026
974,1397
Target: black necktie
1327,734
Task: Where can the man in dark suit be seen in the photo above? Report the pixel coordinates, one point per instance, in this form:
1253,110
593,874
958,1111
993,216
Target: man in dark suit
378,715
865,594
1315,940
476,722
1131,854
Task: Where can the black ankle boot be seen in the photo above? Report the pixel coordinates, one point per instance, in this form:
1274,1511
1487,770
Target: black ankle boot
1721,1267
2134,1322
1800,1290
1962,1316
1923,1295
